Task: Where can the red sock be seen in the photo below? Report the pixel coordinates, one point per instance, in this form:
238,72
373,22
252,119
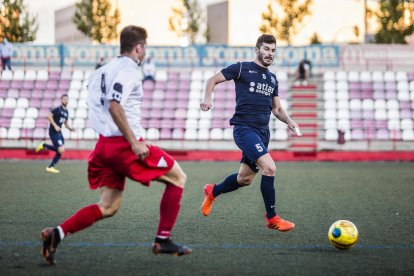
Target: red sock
82,219
169,208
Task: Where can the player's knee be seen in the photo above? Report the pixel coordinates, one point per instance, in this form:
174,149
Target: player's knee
269,170
181,179
108,211
244,180
61,150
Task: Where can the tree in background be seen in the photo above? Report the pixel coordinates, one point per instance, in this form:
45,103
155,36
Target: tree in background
315,39
96,20
185,20
396,19
16,23
286,25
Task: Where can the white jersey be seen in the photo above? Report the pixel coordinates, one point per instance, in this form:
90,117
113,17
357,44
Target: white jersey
119,80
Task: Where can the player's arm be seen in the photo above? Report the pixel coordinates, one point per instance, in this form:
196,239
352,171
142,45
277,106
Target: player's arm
68,126
211,83
118,115
52,122
281,114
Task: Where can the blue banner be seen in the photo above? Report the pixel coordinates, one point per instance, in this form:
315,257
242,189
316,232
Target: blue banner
63,55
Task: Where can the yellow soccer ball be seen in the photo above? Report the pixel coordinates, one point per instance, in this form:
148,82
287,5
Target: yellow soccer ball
343,234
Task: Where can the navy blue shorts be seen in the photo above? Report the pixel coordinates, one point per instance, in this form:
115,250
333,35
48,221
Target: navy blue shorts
252,142
57,139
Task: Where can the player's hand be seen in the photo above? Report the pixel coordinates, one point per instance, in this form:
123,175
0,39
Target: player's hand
140,149
294,127
58,129
206,105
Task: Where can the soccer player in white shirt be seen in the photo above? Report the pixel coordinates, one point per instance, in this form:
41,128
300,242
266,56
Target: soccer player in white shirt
114,99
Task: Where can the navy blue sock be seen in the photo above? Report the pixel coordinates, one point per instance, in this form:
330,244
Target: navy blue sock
269,195
228,185
50,147
55,160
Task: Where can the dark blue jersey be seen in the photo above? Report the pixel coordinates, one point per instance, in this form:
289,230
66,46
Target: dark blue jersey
60,116
255,88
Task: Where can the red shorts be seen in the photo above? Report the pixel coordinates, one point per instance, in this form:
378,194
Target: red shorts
113,160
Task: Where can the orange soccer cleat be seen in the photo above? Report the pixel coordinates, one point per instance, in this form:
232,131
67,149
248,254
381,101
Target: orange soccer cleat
278,223
208,199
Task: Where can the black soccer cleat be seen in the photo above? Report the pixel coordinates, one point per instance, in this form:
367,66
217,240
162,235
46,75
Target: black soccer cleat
167,246
51,240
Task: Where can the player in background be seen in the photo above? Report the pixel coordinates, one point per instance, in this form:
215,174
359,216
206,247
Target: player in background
256,97
115,96
57,117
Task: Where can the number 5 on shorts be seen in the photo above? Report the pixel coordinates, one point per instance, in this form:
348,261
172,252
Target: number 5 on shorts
259,147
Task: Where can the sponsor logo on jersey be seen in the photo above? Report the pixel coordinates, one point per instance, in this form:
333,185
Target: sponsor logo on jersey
261,88
162,163
273,80
264,76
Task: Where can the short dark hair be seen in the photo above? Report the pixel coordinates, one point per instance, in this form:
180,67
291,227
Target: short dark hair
64,95
131,36
265,38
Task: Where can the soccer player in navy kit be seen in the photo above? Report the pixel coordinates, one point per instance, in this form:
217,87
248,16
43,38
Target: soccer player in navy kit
256,98
57,117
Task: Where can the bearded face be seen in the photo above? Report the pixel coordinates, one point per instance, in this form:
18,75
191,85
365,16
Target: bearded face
266,54
64,101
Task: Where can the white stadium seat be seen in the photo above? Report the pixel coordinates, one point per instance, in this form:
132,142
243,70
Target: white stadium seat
282,76
7,75
3,132
203,134
153,134
42,75
30,75
29,123
281,134
341,76
330,123
331,134
380,104
406,124
367,104
329,76
216,134
22,102
16,123
355,104
161,75
78,75
19,112
190,134
389,76
18,75
408,135
10,103
13,133
353,76
401,76
89,133
377,76
329,85
228,134
365,76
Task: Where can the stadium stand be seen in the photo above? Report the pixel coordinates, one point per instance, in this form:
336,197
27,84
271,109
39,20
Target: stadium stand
367,106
